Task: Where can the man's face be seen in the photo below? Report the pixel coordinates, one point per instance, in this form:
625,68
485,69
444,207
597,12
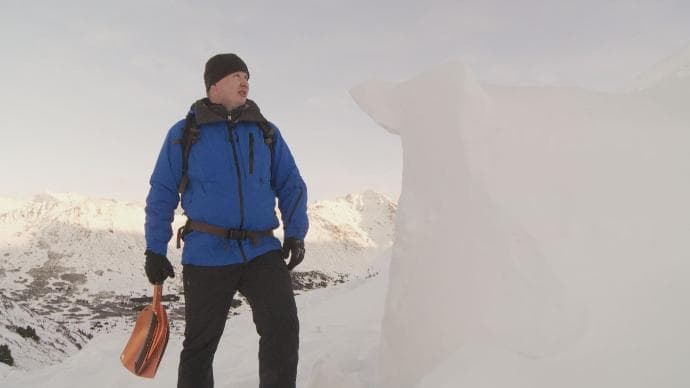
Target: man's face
231,91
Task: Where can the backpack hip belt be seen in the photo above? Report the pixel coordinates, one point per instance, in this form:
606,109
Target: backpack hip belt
230,234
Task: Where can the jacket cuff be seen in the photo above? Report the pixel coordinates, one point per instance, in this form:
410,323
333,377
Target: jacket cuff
294,233
157,249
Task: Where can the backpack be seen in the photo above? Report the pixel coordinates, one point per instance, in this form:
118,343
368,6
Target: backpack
191,132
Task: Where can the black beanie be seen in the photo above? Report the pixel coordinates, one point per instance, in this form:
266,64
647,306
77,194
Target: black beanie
220,65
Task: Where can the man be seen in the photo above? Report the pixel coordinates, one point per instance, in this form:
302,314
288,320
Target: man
228,164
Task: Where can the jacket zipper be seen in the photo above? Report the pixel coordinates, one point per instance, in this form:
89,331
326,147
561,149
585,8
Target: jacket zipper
231,128
251,153
292,212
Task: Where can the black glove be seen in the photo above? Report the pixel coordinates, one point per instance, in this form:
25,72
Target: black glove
293,248
158,267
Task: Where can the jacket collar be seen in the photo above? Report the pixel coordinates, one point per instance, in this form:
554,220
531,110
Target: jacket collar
207,112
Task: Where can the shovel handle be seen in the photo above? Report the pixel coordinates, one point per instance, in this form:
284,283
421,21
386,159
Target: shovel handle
157,294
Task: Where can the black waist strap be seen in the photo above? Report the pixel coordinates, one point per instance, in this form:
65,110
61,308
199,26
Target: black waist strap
232,234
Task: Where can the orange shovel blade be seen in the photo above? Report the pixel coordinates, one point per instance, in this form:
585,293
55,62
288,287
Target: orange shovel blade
144,350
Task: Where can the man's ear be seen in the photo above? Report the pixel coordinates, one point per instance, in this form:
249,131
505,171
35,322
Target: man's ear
211,91
377,100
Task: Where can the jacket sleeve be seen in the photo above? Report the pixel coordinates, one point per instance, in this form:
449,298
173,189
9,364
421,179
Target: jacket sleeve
162,199
290,190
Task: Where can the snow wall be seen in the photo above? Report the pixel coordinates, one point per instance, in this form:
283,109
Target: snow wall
541,237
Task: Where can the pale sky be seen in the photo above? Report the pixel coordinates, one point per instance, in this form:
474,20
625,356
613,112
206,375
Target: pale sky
89,89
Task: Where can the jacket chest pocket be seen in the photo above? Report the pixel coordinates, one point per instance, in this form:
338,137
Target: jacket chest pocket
259,159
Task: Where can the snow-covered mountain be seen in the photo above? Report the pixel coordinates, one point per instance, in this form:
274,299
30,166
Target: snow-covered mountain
74,264
669,71
347,234
32,340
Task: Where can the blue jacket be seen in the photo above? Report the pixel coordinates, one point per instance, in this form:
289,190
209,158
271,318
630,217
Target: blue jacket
232,184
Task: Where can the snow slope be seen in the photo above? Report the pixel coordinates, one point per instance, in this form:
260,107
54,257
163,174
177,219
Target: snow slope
48,343
339,327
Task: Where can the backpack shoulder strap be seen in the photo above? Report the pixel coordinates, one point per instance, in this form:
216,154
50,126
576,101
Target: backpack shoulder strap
269,135
190,134
268,130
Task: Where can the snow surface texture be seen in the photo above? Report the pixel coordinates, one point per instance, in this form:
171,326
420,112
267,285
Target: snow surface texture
541,237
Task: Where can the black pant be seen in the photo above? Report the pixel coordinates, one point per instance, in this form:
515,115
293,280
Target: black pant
265,282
